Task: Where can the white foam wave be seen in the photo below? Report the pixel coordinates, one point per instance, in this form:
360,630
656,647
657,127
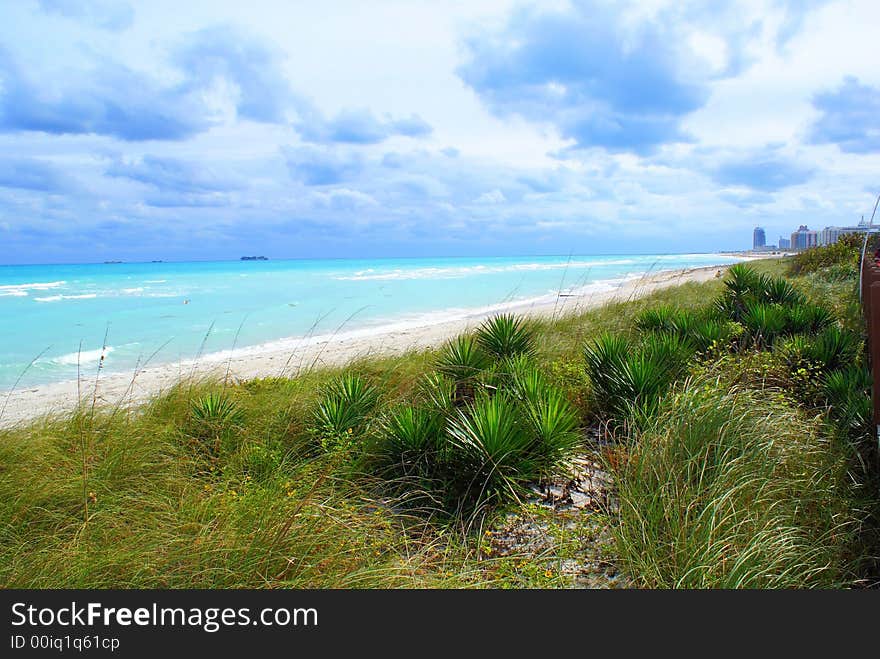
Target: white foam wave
85,358
21,290
465,271
58,298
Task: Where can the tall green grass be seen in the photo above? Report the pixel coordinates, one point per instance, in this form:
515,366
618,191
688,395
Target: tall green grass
733,489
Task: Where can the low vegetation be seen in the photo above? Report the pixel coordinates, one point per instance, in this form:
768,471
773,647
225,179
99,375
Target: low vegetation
731,418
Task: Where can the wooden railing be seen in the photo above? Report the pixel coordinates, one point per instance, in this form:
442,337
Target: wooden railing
870,294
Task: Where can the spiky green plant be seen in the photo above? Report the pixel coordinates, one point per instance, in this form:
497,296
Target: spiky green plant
553,423
776,290
807,317
462,360
659,318
833,348
345,408
213,418
410,443
494,453
848,394
708,333
505,336
215,410
763,322
625,380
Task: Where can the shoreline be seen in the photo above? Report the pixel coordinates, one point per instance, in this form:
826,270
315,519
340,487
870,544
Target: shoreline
287,357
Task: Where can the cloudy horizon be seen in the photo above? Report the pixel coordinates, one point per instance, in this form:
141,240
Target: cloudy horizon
161,130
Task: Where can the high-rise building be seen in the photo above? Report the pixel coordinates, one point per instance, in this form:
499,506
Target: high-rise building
759,238
784,243
830,235
803,238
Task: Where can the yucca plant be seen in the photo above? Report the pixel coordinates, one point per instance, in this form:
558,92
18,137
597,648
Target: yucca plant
212,417
462,360
833,348
437,392
709,332
506,335
344,409
411,441
807,318
848,394
763,322
659,318
776,290
625,380
553,423
216,409
493,453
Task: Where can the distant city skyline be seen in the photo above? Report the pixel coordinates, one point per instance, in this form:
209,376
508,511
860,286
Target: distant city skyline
195,131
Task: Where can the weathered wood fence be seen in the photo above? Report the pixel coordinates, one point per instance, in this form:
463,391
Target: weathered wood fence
870,294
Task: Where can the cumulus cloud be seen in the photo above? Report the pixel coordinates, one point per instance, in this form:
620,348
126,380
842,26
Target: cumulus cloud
314,166
765,171
105,14
32,174
850,118
117,101
171,174
357,127
589,73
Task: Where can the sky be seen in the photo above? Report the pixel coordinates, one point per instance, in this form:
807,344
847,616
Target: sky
210,130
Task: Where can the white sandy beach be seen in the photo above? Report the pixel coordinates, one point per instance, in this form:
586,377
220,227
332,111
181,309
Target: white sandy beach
286,357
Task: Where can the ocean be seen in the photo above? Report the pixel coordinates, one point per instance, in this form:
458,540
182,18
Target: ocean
54,318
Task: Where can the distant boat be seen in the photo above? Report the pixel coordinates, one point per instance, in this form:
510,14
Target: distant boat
111,262
254,258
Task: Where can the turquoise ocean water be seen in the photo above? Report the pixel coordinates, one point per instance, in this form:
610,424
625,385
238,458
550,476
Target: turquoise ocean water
165,311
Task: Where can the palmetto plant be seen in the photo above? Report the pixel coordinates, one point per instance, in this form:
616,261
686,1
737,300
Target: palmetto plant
494,453
506,335
660,318
462,360
411,440
776,290
345,407
807,318
216,410
763,322
833,348
847,392
625,379
212,417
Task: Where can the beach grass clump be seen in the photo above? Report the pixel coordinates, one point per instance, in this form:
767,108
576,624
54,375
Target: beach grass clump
732,489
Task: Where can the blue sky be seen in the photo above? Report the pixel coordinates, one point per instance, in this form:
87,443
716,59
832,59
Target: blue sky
169,130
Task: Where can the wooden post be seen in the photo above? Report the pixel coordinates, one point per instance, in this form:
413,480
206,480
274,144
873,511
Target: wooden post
874,349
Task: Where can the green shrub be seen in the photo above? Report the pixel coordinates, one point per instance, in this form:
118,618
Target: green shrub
344,409
833,348
506,335
660,318
845,252
411,441
214,418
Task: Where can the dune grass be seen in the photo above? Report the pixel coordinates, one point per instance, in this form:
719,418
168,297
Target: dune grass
330,479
